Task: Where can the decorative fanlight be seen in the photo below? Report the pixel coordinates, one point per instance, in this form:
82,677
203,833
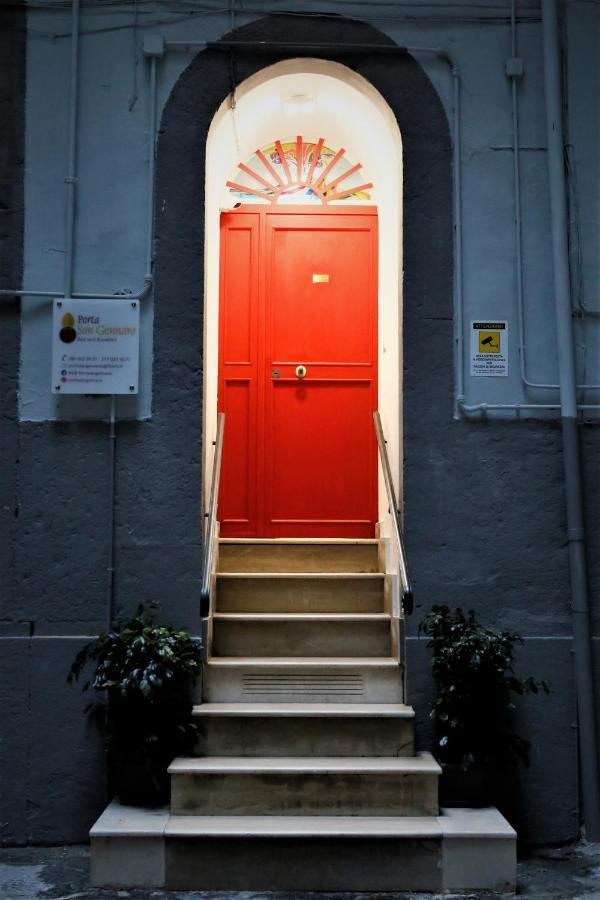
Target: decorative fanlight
302,171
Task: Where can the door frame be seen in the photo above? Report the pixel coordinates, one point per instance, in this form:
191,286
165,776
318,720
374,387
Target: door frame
389,350
232,138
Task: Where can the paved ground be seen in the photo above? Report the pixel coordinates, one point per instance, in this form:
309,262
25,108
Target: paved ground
61,873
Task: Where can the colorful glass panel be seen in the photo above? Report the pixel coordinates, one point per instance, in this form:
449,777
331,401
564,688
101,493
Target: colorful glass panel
299,171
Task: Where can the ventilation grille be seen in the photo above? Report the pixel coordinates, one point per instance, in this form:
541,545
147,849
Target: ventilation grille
342,684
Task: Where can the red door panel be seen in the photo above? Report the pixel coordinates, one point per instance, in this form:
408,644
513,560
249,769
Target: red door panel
320,468
300,457
237,502
238,364
319,321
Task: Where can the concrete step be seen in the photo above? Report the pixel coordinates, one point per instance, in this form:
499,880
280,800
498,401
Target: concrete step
243,786
301,592
303,680
309,634
304,729
298,555
307,853
459,850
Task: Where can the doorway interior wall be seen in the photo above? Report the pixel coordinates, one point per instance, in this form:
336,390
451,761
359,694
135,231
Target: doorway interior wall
314,98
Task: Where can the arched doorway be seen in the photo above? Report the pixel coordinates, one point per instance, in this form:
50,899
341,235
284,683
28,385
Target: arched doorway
302,457
187,202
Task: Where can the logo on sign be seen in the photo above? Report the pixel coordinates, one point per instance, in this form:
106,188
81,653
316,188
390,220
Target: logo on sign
67,333
489,341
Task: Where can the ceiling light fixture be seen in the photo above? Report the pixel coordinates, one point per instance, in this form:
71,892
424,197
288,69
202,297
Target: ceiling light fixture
299,104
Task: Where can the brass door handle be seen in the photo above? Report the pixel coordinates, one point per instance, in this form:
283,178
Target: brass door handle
300,371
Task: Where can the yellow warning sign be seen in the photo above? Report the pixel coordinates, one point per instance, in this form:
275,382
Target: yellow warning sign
489,347
489,341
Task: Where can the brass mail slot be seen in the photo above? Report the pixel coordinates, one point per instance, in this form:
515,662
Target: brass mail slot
320,279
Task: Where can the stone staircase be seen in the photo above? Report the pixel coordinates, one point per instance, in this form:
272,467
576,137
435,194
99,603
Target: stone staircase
305,775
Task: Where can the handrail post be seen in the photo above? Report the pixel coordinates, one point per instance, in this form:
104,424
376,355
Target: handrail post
211,521
407,591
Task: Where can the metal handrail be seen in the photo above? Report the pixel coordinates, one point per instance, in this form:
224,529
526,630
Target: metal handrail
211,520
407,592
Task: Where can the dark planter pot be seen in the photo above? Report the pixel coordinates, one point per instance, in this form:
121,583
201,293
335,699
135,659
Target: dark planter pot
470,788
137,785
140,778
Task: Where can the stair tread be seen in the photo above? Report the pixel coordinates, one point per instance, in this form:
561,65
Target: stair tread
312,576
356,710
307,661
278,542
304,826
191,765
118,820
301,617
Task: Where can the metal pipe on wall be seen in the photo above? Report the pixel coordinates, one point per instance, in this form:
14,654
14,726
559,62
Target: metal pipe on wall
584,678
71,181
135,295
112,467
518,222
460,405
517,192
112,433
483,408
458,243
151,168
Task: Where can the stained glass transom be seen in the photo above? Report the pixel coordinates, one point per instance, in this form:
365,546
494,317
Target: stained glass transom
299,171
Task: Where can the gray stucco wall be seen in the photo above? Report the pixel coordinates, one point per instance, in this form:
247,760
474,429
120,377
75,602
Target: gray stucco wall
113,151
12,694
484,501
492,537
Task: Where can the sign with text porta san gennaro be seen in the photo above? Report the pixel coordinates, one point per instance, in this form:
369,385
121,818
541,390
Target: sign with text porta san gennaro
489,348
95,346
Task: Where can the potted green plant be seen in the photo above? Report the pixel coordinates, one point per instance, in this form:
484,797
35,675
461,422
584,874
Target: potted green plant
473,671
146,672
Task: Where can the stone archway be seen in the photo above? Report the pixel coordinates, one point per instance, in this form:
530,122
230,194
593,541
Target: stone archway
427,239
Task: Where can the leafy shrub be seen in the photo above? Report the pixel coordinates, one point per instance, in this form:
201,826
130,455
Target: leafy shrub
473,670
147,671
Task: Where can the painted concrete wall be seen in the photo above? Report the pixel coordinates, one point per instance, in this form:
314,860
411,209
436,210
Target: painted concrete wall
113,196
484,501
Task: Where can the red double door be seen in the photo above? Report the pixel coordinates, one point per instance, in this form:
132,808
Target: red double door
298,372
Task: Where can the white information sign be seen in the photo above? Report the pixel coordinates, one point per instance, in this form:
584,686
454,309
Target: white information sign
95,346
489,348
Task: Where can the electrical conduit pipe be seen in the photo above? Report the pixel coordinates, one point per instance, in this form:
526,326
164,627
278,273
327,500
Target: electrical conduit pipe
518,225
71,182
